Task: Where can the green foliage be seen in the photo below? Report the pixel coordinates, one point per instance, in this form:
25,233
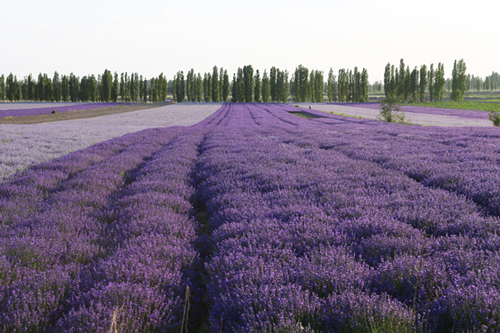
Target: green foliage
494,116
423,83
2,87
390,111
54,112
330,90
215,84
257,87
439,83
266,88
272,82
301,77
458,84
248,83
114,88
207,87
240,85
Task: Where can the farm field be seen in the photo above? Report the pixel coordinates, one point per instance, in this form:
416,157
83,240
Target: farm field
255,219
426,116
35,109
22,146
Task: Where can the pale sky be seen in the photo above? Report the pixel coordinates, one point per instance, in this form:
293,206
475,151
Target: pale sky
151,36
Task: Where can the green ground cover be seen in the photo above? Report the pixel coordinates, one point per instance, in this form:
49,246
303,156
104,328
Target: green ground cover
480,106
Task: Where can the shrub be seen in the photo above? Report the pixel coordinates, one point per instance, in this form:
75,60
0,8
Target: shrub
390,111
494,116
54,111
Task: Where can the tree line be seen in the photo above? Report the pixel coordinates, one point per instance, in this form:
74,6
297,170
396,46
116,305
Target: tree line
106,87
403,85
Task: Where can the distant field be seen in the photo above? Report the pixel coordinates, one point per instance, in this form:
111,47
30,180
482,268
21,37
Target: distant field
478,106
24,145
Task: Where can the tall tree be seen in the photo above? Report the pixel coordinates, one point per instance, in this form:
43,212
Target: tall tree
459,78
240,85
114,88
256,92
423,82
388,80
266,88
2,87
248,83
207,87
439,82
225,87
56,87
180,88
272,82
431,83
199,88
365,86
40,88
300,84
234,91
215,84
330,83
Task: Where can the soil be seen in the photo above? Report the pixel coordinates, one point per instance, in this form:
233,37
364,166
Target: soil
44,118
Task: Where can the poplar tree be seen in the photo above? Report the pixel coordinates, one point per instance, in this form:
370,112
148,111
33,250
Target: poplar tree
459,81
266,88
179,89
319,86
329,89
189,84
145,90
439,82
401,89
56,87
207,85
225,87
2,87
215,84
199,88
431,83
365,86
40,88
64,88
388,88
114,89
423,82
272,82
221,85
234,91
248,83
240,85
301,77
257,87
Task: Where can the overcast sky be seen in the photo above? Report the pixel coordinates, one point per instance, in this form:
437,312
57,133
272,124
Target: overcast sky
152,36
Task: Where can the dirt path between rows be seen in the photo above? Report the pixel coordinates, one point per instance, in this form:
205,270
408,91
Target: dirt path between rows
44,118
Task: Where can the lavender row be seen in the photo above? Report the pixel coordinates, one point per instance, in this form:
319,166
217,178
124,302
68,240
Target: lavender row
462,160
24,112
310,238
24,194
469,114
44,252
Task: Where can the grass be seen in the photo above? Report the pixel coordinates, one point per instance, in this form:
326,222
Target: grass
345,115
460,105
304,115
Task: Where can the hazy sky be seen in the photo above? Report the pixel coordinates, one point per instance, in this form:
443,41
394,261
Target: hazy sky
152,36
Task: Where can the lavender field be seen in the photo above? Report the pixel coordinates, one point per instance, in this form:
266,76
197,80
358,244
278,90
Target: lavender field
35,109
257,220
22,146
